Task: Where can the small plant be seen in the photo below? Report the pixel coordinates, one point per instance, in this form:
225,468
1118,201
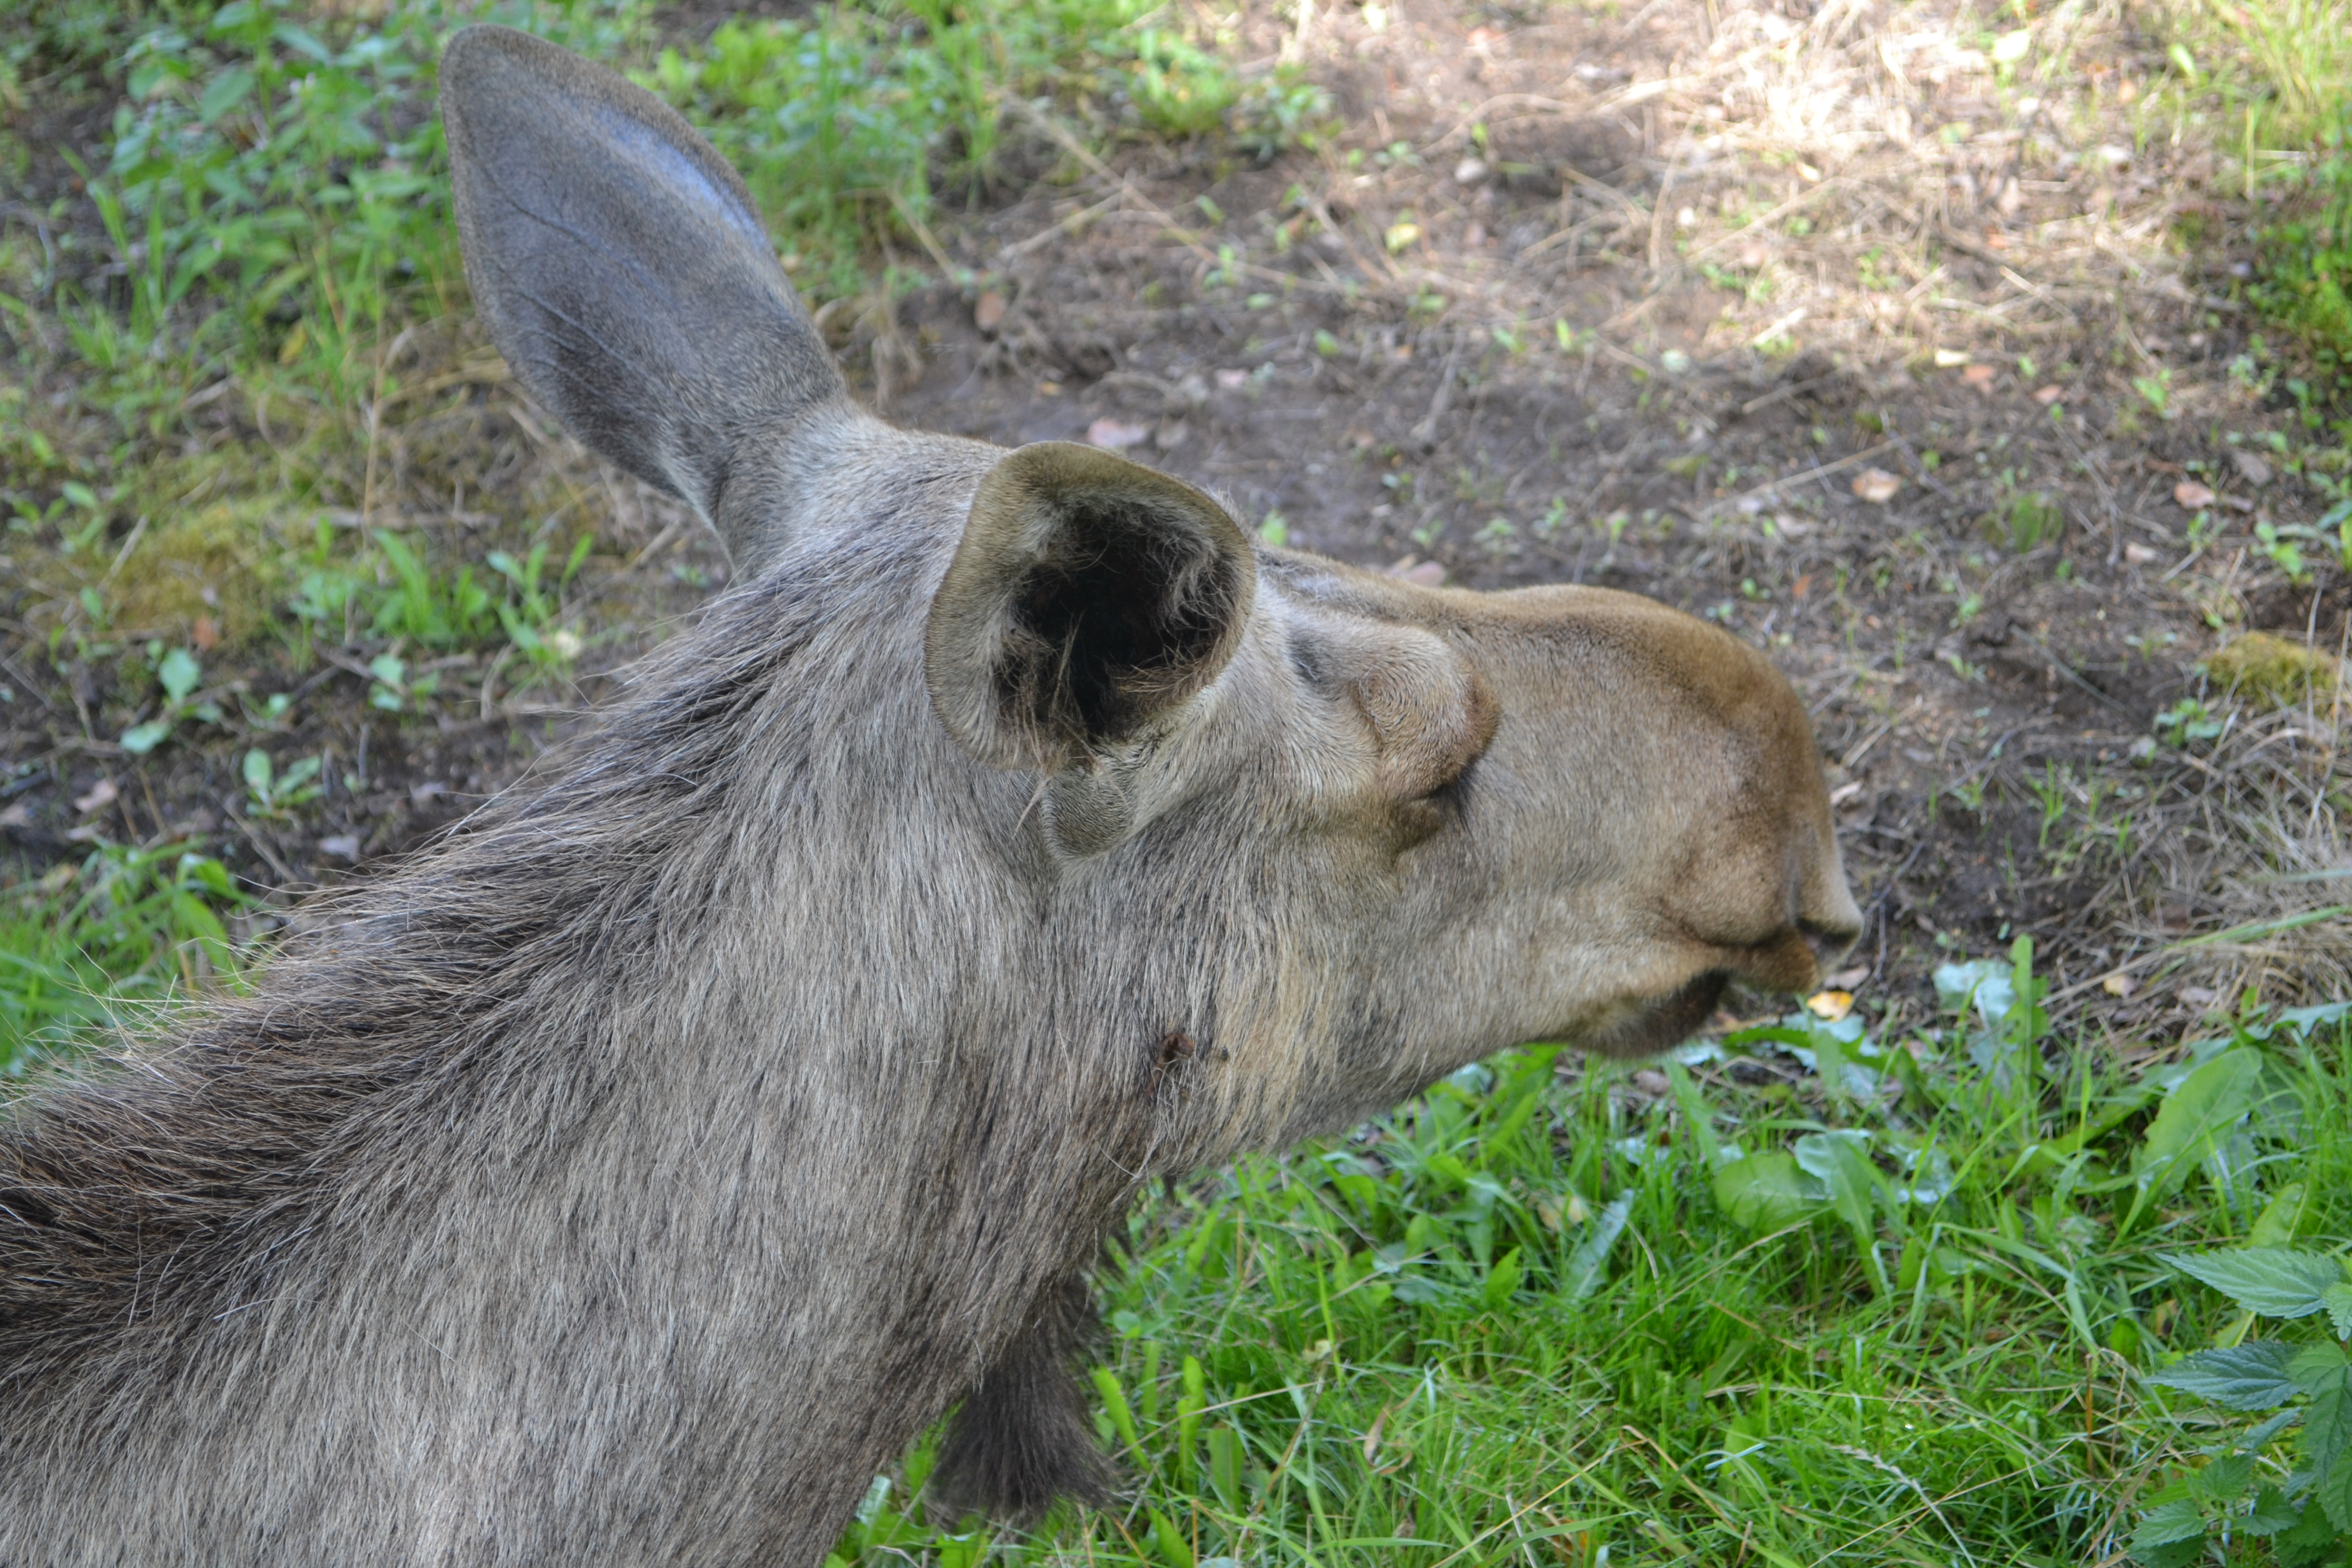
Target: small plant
2189,721
273,795
2030,520
1179,89
180,674
529,610
2244,1489
389,687
443,615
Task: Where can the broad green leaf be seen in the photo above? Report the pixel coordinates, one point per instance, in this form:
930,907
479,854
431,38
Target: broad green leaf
2310,1541
2244,1377
2224,1480
2315,1366
2175,1555
257,771
2204,1105
1765,1192
2275,1281
2168,1523
2272,1513
2339,1300
1502,1280
228,89
1837,1161
141,739
2326,1433
2332,1489
1589,1264
180,674
1114,1398
2276,1225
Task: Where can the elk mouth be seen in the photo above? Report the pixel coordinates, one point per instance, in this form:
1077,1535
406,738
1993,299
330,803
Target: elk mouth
1663,1022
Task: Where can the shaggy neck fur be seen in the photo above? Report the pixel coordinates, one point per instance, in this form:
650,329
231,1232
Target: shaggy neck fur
513,1194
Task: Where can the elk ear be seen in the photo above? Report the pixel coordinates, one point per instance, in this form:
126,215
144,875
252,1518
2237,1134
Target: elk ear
1090,599
623,272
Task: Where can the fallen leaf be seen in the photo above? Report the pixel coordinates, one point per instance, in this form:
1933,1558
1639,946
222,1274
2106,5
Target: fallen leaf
1979,376
1876,485
2192,495
205,634
18,816
2049,394
1847,979
2255,471
1373,1437
1801,586
1947,359
2118,986
988,314
101,795
2138,555
1830,1005
1109,433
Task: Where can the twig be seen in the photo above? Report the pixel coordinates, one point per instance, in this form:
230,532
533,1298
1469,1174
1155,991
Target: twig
1771,486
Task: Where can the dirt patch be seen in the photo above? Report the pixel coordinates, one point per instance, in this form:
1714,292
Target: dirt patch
1829,327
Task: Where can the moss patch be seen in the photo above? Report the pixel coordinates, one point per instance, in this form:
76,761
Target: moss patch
2273,672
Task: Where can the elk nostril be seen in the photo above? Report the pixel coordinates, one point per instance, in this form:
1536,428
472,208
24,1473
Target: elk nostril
1828,942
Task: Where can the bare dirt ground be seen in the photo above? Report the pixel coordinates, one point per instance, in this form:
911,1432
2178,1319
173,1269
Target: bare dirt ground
1897,359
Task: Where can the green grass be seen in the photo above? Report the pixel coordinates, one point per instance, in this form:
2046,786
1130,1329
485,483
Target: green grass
104,940
2282,74
1546,1320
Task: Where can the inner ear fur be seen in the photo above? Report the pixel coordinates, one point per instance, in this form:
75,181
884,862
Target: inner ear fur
1430,710
1089,600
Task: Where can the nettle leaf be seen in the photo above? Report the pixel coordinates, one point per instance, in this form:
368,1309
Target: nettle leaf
2338,1301
2223,1480
2272,1513
2168,1523
2243,1377
2275,1281
2327,1434
2316,1367
2310,1541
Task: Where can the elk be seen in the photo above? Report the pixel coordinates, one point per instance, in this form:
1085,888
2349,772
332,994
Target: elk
631,1174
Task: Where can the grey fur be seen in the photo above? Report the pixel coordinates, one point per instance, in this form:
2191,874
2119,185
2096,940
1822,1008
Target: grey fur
629,1177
